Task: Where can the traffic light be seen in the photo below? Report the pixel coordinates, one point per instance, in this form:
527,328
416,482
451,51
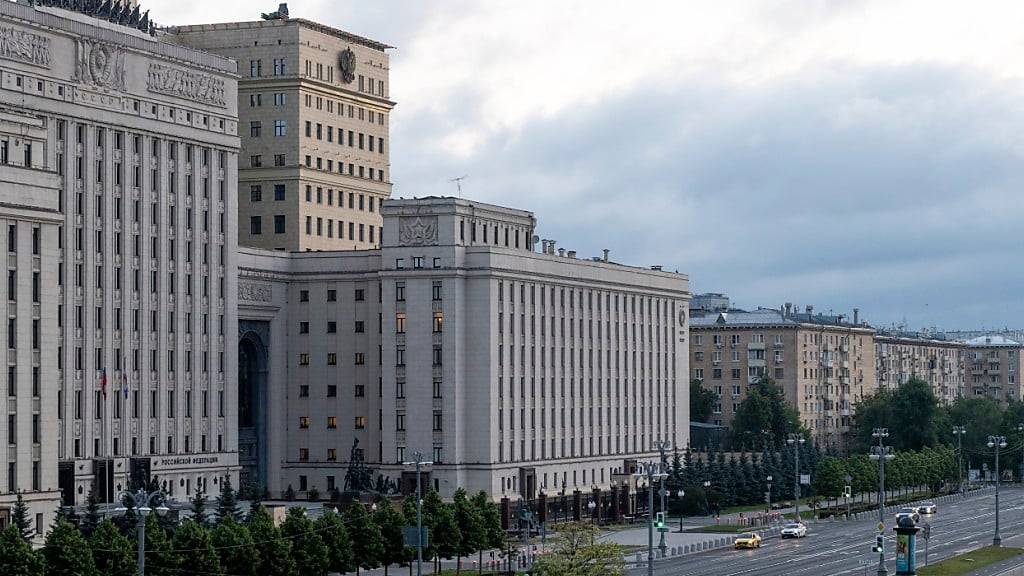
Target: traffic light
879,544
659,520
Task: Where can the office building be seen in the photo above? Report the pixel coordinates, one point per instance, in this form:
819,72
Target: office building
513,369
314,112
132,141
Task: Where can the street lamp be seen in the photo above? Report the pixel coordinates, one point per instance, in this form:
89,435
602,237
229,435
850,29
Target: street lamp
590,506
997,442
418,461
1020,428
141,503
796,440
707,494
651,471
661,446
959,432
881,453
680,494
768,496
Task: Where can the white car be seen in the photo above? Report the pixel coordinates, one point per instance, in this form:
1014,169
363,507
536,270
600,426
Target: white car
794,530
927,508
908,512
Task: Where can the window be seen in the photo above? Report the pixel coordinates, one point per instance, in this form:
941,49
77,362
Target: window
438,322
417,261
303,327
438,355
360,390
255,68
360,327
255,225
279,160
360,422
279,99
303,295
437,420
436,291
279,192
332,455
303,391
332,295
332,327
255,193
332,359
437,262
360,359
279,68
255,127
303,457
279,224
360,295
400,292
437,388
400,356
280,128
332,422
400,323
304,359
304,422
400,422
332,391
256,161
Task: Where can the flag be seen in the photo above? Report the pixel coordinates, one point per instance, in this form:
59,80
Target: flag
103,382
124,384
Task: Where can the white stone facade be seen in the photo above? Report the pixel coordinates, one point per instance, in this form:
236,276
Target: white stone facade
137,139
514,370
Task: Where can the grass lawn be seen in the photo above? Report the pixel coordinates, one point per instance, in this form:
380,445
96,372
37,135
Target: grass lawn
969,561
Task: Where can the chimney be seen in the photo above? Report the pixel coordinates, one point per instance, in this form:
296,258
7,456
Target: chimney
543,246
810,309
561,252
572,254
856,316
551,247
789,308
606,251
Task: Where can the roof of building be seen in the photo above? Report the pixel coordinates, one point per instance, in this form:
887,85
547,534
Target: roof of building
768,317
993,340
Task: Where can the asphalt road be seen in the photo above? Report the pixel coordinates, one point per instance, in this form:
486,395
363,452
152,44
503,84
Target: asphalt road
834,548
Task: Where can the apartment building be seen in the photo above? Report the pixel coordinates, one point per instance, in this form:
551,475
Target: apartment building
824,364
314,112
133,142
512,369
992,368
901,355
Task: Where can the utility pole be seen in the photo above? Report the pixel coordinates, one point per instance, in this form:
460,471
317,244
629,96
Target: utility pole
997,442
796,440
651,471
141,502
959,432
661,446
418,461
881,453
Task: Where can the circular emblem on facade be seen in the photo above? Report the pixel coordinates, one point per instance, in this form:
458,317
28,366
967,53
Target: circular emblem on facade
682,318
347,64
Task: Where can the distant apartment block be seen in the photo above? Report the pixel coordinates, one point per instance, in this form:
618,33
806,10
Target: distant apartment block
903,355
993,367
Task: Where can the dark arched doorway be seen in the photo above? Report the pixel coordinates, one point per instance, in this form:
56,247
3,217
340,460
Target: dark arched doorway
252,403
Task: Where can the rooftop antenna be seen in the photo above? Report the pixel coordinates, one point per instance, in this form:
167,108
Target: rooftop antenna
458,183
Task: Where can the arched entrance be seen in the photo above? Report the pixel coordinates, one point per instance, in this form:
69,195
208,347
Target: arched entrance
252,403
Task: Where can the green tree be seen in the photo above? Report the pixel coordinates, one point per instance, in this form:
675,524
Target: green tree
198,502
92,516
471,527
332,529
20,518
227,502
431,510
391,522
16,555
914,410
764,409
234,547
194,549
829,479
67,553
490,516
702,401
445,534
273,554
308,549
160,557
367,542
576,554
112,551
875,411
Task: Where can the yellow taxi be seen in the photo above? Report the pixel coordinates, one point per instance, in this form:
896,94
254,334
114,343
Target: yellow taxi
748,540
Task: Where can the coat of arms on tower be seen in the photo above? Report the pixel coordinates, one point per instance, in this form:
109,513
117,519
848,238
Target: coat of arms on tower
416,232
347,64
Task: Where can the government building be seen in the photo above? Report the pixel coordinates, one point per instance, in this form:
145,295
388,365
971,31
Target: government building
118,187
511,366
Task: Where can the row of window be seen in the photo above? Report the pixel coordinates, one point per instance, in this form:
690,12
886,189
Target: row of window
204,446
356,201
363,114
256,161
353,228
737,374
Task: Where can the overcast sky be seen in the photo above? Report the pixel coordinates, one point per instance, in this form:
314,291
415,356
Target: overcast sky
839,153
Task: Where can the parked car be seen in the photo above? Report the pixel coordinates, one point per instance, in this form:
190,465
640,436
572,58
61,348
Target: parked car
908,511
748,540
927,508
794,530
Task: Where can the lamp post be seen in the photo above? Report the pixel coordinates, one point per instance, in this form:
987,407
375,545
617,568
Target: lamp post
1020,428
847,494
418,461
881,453
651,471
997,442
680,494
959,432
796,440
707,494
661,446
768,496
143,503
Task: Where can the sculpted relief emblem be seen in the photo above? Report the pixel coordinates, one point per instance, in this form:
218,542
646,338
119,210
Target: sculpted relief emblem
24,47
100,65
255,292
347,64
418,232
186,84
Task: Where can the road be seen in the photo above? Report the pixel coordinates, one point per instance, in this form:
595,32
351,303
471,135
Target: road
834,548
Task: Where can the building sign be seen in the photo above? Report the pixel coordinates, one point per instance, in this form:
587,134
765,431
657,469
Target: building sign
192,461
